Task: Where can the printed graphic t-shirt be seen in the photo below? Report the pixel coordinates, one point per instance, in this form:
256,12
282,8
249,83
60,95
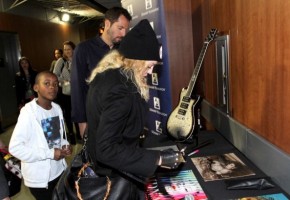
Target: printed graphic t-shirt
51,126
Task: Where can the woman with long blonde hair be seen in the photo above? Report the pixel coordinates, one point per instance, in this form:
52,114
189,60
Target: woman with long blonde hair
132,69
116,113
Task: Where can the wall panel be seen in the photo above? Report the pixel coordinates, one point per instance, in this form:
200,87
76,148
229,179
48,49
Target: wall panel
180,44
259,63
38,39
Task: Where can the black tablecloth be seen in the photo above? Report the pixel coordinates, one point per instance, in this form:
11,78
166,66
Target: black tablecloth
215,190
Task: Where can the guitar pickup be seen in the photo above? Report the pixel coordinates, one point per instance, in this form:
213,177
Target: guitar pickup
186,99
184,105
181,112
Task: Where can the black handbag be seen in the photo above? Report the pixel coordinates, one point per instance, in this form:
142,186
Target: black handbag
11,169
79,181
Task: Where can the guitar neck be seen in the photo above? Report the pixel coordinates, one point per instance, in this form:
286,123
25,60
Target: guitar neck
196,69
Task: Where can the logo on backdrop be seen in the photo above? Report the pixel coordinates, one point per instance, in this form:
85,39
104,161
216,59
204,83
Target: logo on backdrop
158,126
154,78
160,52
158,84
152,24
130,9
148,4
156,102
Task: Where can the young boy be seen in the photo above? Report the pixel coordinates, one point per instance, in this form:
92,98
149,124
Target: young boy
39,138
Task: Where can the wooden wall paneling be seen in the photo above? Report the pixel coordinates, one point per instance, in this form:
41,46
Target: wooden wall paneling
263,27
209,71
250,75
198,39
180,44
236,55
215,16
259,63
206,83
275,64
38,39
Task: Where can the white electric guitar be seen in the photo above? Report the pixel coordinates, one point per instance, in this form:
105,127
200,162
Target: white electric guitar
181,122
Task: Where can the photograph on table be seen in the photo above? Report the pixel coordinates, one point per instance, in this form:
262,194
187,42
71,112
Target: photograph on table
217,167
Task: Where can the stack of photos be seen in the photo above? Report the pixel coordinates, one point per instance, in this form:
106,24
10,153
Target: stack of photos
217,167
174,186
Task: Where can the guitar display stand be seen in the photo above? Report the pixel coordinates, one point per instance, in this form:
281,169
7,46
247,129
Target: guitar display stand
190,143
192,140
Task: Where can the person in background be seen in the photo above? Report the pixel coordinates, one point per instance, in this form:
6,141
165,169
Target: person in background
39,139
58,53
88,53
62,70
116,112
24,81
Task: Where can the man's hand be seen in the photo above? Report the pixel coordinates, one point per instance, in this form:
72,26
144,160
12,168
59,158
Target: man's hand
82,128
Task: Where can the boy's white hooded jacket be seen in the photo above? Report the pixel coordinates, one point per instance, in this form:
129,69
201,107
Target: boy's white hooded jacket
29,145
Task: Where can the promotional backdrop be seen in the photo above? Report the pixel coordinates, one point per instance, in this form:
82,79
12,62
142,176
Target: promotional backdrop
160,97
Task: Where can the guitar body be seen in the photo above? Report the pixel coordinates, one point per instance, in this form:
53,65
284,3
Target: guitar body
181,123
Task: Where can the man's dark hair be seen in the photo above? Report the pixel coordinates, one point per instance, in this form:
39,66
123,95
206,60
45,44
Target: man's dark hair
70,43
115,12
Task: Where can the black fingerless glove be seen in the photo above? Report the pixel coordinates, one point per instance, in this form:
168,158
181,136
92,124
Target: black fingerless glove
170,159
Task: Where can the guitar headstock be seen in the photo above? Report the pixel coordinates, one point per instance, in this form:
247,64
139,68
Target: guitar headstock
210,37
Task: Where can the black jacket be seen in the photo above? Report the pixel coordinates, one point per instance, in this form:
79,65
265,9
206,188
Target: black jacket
116,116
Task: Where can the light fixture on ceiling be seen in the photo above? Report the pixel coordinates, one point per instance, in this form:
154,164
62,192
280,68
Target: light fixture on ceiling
65,17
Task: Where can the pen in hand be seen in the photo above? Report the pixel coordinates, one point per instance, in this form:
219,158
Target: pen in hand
194,152
182,151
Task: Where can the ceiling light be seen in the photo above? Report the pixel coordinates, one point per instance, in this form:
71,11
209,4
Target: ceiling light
65,17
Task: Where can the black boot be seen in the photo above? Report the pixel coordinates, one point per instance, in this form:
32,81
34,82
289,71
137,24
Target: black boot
72,139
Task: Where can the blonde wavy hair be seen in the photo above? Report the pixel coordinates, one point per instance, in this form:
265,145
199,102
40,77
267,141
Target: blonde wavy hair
131,68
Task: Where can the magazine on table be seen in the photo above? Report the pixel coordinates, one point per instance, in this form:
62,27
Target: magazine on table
174,186
217,167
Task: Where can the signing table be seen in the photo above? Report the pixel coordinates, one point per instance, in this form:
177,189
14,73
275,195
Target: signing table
206,166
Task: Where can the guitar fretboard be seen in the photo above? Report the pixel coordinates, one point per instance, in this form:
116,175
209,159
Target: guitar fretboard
196,69
200,59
